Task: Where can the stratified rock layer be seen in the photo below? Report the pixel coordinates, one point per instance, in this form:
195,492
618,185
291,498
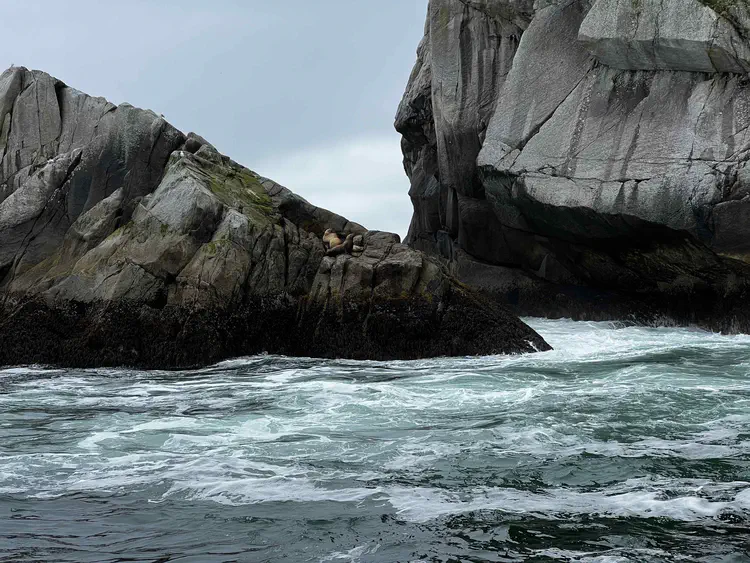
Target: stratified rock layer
612,175
657,35
123,241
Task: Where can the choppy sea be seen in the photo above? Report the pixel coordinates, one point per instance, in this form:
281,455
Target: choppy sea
624,444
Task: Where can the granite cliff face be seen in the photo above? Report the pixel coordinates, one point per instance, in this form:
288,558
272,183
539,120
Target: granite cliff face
124,241
586,158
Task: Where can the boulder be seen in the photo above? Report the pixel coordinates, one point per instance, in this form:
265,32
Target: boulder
125,242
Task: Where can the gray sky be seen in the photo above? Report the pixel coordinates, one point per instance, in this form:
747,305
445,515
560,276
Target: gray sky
301,91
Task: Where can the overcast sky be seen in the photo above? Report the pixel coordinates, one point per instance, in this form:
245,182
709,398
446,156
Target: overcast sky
301,91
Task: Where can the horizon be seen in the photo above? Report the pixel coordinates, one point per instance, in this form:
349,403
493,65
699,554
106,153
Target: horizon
322,132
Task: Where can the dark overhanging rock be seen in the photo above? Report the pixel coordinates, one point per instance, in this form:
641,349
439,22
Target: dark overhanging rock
612,164
125,242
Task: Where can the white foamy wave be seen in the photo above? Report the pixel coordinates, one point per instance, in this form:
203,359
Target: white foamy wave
239,491
597,341
94,440
634,555
354,555
424,504
28,370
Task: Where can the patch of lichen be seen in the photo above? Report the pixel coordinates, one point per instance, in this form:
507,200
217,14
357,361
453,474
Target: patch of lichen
213,247
444,16
51,268
242,190
117,232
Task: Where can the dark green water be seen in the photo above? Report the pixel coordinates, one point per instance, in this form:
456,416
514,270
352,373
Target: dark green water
623,445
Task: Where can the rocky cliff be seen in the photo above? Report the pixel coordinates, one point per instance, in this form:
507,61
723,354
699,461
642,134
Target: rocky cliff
124,241
586,158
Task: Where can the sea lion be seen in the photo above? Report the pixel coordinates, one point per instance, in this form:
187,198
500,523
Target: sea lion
331,239
343,248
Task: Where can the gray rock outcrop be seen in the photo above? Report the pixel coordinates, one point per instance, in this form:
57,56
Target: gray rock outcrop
656,35
125,242
606,175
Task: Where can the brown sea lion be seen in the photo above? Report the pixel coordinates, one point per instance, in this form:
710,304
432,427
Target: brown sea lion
343,248
331,239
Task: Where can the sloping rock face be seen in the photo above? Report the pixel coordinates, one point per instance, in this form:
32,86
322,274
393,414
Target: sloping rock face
125,242
605,173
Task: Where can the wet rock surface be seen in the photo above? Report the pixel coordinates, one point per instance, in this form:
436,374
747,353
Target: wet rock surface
125,242
611,181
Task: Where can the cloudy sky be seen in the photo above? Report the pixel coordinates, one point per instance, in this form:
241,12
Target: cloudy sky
302,91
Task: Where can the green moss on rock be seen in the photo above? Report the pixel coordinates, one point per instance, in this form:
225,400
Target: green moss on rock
445,17
241,190
213,247
121,230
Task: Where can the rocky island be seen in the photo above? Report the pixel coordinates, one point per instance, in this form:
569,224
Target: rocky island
125,242
578,158
586,158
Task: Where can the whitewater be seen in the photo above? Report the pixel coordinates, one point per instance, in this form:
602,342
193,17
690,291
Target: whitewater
624,444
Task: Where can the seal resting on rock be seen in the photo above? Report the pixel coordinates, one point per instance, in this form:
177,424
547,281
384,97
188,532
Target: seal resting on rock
331,239
343,248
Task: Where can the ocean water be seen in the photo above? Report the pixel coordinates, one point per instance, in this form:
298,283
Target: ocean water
625,444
